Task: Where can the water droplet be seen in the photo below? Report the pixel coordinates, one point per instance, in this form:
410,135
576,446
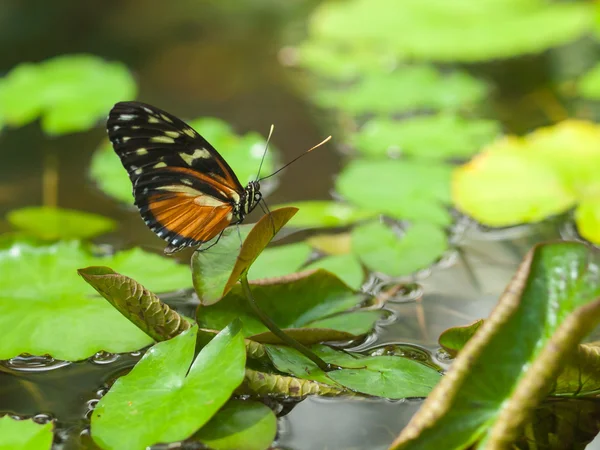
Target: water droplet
28,363
103,357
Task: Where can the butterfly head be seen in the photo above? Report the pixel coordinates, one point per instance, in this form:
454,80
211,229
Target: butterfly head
250,199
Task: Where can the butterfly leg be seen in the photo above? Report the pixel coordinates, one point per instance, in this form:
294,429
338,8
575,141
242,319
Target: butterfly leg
211,245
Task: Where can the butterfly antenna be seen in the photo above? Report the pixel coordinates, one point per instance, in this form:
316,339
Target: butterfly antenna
297,158
265,152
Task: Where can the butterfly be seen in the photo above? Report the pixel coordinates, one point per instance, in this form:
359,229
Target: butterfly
185,191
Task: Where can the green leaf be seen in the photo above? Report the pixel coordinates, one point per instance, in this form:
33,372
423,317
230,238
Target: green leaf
57,223
441,136
164,399
357,323
242,152
24,434
109,175
70,93
276,385
455,338
346,267
45,308
509,366
240,425
325,214
459,31
279,261
216,272
383,376
134,301
549,170
588,85
587,218
293,303
381,250
407,89
404,189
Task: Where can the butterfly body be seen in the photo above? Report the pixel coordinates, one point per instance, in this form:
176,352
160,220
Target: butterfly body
185,191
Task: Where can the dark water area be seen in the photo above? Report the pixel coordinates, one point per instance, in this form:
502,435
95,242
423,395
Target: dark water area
223,59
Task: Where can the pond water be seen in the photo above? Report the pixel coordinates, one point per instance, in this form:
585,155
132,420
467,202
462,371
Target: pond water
201,58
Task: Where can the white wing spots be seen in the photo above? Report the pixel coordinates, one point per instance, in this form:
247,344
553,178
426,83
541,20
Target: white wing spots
166,118
198,153
159,165
234,196
148,110
153,119
127,117
173,134
125,139
138,171
207,200
180,189
174,241
141,152
230,216
134,127
191,133
116,127
162,139
186,181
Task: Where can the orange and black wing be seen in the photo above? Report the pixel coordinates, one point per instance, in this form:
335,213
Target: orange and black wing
184,189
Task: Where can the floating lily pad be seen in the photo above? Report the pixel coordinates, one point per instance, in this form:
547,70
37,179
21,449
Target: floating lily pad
291,304
57,223
166,397
217,270
401,189
346,267
408,88
279,261
326,214
457,31
341,63
24,434
384,251
46,308
331,244
382,376
517,180
589,84
240,425
70,93
242,152
587,217
442,136
510,365
455,338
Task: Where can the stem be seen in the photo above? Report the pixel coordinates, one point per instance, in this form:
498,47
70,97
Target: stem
266,320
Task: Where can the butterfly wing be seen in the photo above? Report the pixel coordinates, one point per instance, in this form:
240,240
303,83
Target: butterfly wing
184,189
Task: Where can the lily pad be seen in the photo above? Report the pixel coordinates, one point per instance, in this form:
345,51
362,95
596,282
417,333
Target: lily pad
217,270
25,434
70,93
455,338
588,85
346,267
383,251
383,376
279,261
326,214
45,308
404,189
509,366
442,136
295,303
135,302
407,89
550,171
457,31
240,425
57,223
167,397
242,152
